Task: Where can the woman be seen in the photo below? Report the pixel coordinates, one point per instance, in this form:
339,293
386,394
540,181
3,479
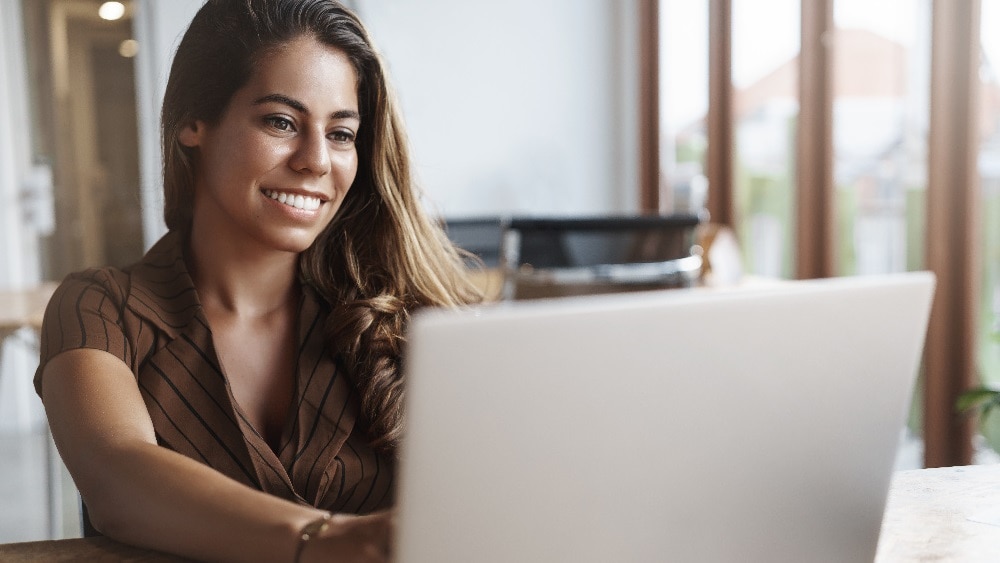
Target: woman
236,394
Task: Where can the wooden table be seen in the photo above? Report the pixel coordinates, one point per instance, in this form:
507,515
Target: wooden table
24,308
940,515
98,550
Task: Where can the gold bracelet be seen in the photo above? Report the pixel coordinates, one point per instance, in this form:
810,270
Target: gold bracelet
309,531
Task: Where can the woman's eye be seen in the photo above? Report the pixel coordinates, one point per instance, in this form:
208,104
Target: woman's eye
342,136
279,123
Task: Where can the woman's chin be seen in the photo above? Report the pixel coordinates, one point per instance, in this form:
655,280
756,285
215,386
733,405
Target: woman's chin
293,242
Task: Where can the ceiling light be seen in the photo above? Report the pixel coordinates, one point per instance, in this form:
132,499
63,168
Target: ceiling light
128,48
111,11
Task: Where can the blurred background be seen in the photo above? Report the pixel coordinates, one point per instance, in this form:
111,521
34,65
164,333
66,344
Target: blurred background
556,108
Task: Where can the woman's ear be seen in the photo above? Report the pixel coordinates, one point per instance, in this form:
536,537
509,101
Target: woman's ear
190,135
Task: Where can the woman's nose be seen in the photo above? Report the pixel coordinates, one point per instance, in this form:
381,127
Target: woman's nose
311,155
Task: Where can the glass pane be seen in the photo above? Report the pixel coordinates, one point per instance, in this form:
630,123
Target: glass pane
880,116
683,103
766,42
989,181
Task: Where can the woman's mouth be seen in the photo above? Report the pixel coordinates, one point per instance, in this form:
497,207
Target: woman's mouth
307,203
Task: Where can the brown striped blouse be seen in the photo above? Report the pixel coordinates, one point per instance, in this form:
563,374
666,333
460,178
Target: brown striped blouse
149,316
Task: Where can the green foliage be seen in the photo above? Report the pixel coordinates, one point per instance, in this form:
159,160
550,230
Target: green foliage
847,204
980,400
691,151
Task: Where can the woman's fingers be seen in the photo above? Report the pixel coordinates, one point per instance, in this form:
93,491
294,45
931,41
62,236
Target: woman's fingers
354,539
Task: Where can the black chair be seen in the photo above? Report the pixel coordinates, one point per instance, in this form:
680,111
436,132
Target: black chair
551,257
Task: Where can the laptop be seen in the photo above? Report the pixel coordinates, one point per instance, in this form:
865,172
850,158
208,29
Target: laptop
675,425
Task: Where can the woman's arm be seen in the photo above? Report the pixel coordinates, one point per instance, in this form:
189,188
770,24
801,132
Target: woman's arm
142,494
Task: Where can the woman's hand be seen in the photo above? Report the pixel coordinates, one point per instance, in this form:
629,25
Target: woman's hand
352,539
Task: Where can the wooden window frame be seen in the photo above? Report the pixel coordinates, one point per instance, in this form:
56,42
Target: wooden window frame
952,190
815,236
952,252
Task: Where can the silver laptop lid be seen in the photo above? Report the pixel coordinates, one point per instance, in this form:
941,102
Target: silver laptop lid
685,425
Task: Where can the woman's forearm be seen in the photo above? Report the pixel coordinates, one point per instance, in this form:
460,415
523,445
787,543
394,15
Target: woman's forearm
156,498
146,495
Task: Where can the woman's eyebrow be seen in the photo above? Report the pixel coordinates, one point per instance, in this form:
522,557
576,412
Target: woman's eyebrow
282,99
301,108
346,114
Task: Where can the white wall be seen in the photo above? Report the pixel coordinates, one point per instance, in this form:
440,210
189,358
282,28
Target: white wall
158,27
515,106
521,106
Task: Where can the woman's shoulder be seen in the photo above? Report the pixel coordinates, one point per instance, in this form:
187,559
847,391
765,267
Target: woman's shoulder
108,281
121,310
162,265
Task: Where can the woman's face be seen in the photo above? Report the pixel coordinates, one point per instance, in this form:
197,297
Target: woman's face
279,162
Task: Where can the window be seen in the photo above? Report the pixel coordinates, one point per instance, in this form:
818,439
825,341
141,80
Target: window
766,39
880,118
683,104
838,140
989,184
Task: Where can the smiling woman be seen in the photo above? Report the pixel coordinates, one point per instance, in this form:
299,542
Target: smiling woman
237,393
288,133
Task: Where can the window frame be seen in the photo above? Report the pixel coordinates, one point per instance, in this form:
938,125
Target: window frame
952,191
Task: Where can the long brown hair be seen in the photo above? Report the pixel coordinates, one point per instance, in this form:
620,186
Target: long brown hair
382,256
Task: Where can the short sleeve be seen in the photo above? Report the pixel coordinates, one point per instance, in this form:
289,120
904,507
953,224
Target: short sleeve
86,311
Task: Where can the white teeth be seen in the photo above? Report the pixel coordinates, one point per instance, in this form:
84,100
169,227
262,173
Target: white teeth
297,201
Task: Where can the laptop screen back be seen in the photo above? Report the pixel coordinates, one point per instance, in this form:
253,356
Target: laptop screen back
750,425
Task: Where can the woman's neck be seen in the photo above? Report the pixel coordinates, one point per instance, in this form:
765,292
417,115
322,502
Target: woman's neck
245,280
